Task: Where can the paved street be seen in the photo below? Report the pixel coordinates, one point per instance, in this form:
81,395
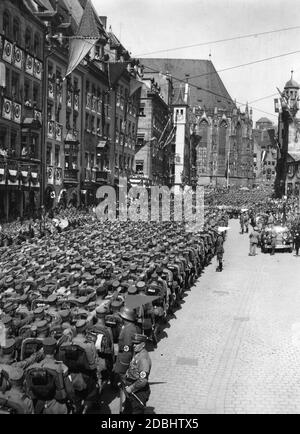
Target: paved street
235,344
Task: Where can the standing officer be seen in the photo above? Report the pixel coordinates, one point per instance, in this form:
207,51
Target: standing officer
137,387
297,242
125,344
254,236
242,222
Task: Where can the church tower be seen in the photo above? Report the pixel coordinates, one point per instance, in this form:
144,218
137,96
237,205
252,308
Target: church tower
180,107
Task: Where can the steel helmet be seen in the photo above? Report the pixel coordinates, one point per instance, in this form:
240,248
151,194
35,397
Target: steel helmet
127,314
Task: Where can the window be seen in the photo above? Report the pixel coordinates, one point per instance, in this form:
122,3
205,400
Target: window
68,121
13,142
87,86
92,128
139,167
16,31
92,160
75,84
28,39
49,154
75,120
142,110
15,85
98,126
57,115
7,89
86,160
3,139
37,45
57,156
87,119
6,24
27,93
33,147
36,94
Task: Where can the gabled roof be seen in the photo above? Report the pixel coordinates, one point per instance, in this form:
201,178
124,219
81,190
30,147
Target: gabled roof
88,25
211,93
295,156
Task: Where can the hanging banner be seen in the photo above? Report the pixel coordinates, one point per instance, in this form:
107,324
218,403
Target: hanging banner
7,51
25,178
2,176
13,178
18,57
35,180
17,111
37,71
29,65
7,109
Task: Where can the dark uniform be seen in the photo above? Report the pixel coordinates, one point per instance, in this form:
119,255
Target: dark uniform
136,379
125,347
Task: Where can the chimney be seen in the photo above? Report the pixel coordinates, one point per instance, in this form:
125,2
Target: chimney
104,21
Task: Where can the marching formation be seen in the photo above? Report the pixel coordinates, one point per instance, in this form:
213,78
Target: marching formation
79,305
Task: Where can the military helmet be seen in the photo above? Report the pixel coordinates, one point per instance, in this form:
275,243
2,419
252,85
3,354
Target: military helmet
128,314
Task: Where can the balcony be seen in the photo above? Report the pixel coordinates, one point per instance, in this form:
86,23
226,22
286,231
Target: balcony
71,175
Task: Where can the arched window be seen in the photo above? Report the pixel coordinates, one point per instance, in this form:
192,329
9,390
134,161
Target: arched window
6,24
28,39
37,45
16,31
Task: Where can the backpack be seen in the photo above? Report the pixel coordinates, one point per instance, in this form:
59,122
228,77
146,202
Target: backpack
45,383
101,340
11,405
75,357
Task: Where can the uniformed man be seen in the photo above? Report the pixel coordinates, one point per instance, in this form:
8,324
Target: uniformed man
125,344
137,377
64,390
14,398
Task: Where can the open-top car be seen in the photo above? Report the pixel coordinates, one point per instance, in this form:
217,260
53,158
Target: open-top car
283,239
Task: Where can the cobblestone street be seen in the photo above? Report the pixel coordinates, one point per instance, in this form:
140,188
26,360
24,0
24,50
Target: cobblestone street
234,347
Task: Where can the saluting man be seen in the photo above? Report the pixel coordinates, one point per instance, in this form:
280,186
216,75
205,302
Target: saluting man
137,378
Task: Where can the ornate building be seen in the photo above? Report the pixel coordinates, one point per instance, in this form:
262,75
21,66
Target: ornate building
221,147
153,165
288,166
264,152
21,111
220,138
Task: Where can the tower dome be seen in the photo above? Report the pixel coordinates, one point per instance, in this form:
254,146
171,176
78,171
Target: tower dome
292,84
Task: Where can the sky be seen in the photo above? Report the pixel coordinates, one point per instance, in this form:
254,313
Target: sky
146,26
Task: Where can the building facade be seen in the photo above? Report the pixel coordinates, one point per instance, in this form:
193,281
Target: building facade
153,163
222,147
220,139
287,179
21,112
264,153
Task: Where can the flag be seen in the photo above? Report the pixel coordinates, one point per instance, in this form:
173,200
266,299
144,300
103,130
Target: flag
115,72
276,105
87,36
135,85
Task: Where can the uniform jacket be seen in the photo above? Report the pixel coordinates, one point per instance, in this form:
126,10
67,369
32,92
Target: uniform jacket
139,371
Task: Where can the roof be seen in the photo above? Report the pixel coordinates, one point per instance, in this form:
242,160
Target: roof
261,120
213,93
295,156
88,25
